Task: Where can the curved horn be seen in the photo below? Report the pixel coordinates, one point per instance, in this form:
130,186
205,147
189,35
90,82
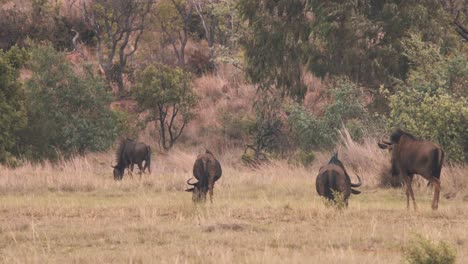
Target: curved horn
384,141
189,183
357,184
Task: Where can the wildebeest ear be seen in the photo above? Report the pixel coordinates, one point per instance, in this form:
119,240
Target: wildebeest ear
190,190
355,191
383,145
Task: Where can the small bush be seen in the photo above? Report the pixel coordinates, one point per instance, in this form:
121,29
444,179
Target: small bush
423,251
306,157
253,158
355,128
200,63
312,131
236,125
338,201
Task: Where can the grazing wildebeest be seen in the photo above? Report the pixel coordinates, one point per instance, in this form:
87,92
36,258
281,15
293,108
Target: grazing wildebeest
129,153
412,156
333,177
207,171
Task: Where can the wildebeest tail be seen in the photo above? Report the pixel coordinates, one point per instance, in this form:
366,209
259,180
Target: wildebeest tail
148,158
437,162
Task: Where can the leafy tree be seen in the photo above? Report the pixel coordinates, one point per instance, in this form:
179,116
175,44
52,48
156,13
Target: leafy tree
13,114
68,109
458,11
41,20
220,23
432,102
118,26
173,18
167,96
275,43
358,39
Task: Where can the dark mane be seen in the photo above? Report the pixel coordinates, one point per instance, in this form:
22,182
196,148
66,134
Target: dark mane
395,136
120,149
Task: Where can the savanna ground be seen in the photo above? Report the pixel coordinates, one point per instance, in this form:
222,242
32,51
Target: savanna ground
76,212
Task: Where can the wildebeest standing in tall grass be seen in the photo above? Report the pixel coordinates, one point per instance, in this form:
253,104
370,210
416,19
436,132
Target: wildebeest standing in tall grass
412,156
129,153
333,177
207,171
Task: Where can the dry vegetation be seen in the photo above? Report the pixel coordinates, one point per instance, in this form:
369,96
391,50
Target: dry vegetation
75,211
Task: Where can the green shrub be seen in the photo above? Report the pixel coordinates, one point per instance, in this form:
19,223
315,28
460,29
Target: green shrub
306,157
268,130
67,108
432,102
438,117
12,105
423,251
236,125
338,201
312,131
127,123
355,128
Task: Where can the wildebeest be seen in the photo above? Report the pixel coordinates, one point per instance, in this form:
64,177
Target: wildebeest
129,153
207,171
333,177
413,156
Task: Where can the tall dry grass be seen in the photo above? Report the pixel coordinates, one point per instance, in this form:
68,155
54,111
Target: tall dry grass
171,170
76,212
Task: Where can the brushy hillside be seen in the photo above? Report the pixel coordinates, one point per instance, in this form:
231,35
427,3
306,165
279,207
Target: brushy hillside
75,211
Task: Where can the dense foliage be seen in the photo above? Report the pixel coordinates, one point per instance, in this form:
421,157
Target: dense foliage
68,110
414,51
432,102
313,131
13,114
358,39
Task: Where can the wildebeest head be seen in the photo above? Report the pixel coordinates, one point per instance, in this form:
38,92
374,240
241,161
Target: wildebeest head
395,139
198,192
118,172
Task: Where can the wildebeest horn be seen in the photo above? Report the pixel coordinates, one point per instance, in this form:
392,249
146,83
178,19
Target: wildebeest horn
189,183
384,141
357,184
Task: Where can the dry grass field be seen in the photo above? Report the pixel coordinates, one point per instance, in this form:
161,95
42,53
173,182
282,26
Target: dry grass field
76,213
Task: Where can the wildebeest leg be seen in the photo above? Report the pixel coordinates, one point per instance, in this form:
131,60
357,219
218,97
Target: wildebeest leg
140,168
130,169
410,179
407,194
435,200
210,187
408,186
